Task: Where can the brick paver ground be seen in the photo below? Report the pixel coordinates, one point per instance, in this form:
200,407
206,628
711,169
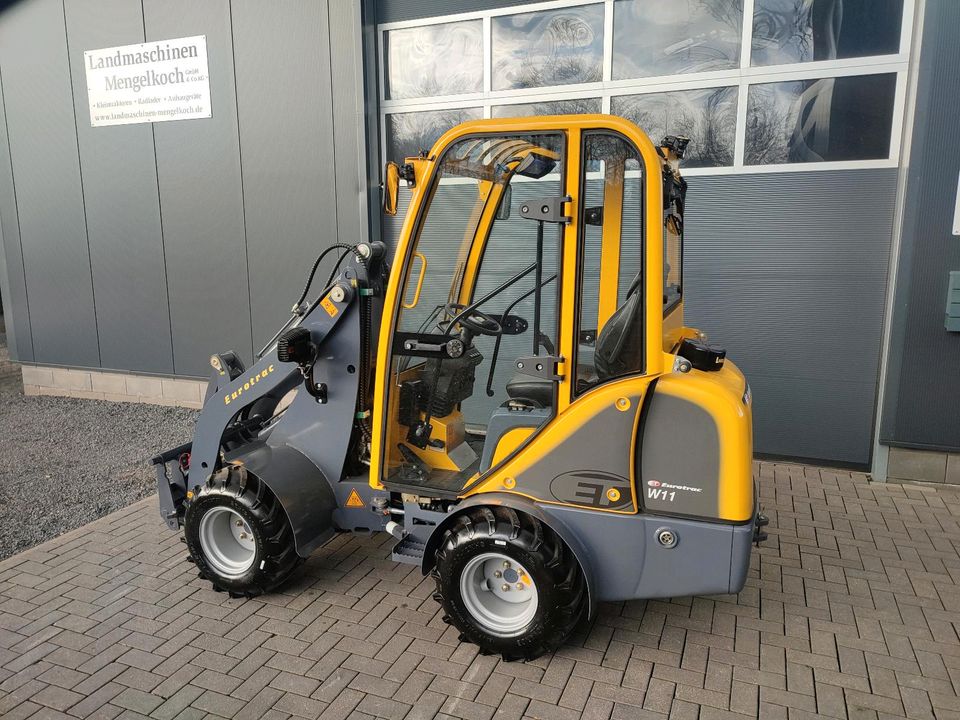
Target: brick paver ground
851,610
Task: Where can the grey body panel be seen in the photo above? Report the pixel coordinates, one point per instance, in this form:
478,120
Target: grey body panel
521,504
924,359
358,519
679,463
300,486
122,207
619,554
319,433
503,421
629,563
594,459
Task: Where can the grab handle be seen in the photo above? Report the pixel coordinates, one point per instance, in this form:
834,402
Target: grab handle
423,271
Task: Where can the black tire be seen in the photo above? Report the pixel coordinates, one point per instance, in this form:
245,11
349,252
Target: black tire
561,588
275,555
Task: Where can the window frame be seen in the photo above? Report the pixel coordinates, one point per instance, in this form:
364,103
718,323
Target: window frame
741,77
585,135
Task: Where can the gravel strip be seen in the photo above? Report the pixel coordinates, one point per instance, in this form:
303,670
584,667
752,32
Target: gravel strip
65,462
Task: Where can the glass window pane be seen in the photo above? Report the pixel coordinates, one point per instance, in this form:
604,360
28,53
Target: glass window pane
579,106
791,31
847,118
680,36
551,47
708,117
419,61
410,133
610,328
446,397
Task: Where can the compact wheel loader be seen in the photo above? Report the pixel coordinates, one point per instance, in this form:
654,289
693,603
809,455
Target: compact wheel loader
515,397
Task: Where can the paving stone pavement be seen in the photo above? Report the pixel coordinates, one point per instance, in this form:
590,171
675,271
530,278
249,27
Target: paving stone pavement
851,610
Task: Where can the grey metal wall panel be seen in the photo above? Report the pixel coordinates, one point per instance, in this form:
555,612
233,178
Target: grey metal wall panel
922,393
46,172
396,10
287,150
14,288
788,272
122,204
367,64
348,118
201,200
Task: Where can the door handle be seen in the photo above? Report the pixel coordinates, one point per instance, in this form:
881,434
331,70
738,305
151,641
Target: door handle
423,271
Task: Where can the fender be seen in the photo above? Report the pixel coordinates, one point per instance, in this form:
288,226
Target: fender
299,485
520,504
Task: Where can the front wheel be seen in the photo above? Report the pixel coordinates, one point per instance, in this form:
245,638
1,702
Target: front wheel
509,583
238,534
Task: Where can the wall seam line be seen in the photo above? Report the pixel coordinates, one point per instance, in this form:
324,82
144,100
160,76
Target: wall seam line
243,197
16,207
333,126
163,241
83,198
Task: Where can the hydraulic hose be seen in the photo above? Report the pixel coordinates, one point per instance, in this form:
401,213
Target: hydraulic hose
316,264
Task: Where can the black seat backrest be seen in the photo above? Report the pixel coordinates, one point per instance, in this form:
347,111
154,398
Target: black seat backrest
619,349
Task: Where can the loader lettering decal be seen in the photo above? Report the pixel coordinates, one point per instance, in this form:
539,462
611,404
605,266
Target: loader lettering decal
592,488
248,383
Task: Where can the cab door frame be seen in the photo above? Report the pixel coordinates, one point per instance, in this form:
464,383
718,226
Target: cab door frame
503,477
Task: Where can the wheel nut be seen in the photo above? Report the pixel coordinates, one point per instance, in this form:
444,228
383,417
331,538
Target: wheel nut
497,573
519,586
506,563
239,523
243,536
505,587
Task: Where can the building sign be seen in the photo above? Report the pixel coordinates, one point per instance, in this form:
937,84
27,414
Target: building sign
148,82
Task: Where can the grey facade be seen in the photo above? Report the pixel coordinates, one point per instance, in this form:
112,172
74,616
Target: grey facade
144,248
922,398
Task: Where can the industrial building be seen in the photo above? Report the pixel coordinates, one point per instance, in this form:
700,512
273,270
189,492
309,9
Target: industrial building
162,202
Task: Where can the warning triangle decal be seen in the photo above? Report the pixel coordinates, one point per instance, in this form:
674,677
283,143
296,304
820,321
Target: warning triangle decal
354,500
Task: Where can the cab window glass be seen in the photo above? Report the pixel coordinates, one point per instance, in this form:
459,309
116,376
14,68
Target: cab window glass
610,304
471,307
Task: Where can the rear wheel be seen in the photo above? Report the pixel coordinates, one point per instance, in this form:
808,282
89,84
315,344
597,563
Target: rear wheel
509,583
238,535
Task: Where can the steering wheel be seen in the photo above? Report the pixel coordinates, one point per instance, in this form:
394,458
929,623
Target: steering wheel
477,322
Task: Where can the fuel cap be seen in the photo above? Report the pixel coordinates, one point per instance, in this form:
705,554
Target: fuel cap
702,356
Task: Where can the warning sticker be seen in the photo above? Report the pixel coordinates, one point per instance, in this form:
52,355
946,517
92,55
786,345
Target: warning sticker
354,500
327,304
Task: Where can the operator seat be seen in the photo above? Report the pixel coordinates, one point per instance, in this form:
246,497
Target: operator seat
619,351
525,387
619,348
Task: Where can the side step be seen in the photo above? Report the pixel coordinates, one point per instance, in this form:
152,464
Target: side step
409,550
759,534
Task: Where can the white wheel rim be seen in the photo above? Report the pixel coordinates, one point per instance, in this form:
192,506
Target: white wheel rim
227,542
499,594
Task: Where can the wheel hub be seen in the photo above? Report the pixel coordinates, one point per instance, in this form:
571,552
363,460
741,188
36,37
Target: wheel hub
499,594
227,542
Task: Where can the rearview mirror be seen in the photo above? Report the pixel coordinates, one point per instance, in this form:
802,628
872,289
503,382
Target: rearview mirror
391,188
503,211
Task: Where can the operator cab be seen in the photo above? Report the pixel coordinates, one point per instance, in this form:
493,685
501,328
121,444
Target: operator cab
474,349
